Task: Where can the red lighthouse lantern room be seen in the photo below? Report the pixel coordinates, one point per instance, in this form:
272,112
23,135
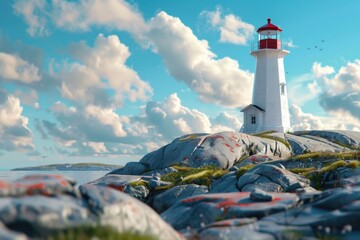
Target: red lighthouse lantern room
269,36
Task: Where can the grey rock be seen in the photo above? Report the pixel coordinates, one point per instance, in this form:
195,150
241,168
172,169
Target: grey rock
116,181
140,192
341,177
125,213
37,184
199,211
269,147
256,159
330,214
9,189
177,152
221,149
168,198
349,138
6,234
38,216
260,196
233,169
339,199
155,183
257,230
47,184
334,213
123,183
263,183
233,233
225,184
271,178
132,168
306,143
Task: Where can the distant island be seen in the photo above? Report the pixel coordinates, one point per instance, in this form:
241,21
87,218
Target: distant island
71,167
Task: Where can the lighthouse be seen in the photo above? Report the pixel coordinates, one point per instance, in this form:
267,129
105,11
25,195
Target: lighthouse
269,110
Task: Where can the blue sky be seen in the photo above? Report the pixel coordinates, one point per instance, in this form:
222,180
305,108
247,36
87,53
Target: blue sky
108,81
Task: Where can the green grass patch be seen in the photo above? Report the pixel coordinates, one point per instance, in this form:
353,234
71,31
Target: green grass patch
242,159
187,175
292,234
353,164
260,134
333,166
302,170
182,168
316,176
97,232
241,171
330,155
166,187
140,183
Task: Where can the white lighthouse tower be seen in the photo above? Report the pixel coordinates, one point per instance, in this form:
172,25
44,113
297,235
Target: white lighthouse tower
269,109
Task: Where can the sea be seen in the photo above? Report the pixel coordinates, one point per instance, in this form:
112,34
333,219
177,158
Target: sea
81,177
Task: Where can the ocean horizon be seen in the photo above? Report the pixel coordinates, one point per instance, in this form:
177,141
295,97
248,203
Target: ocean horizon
81,177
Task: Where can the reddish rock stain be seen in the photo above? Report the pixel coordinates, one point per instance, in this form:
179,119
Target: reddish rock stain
230,203
120,188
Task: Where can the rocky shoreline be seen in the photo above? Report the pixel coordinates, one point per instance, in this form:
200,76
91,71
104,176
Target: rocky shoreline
227,185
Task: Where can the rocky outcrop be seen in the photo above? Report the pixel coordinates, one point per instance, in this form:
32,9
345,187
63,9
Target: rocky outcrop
273,178
227,185
168,198
222,150
46,205
331,214
307,143
345,138
226,149
199,211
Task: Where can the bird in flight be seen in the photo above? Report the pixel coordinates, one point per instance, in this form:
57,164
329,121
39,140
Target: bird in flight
44,156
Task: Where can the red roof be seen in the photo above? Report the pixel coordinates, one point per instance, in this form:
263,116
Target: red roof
269,26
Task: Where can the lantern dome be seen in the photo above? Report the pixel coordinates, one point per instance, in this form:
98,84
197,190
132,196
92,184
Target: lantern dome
269,27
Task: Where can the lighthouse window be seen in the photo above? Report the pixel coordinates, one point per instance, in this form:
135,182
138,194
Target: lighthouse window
282,88
253,120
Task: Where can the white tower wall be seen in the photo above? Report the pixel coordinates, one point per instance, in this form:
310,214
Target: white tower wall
267,92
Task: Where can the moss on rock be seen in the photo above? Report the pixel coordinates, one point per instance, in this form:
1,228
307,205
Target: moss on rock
97,232
241,171
187,175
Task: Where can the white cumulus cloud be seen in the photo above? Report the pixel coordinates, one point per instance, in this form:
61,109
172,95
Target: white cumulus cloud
171,119
34,14
232,28
14,68
92,129
339,120
96,69
319,71
188,59
80,15
15,134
